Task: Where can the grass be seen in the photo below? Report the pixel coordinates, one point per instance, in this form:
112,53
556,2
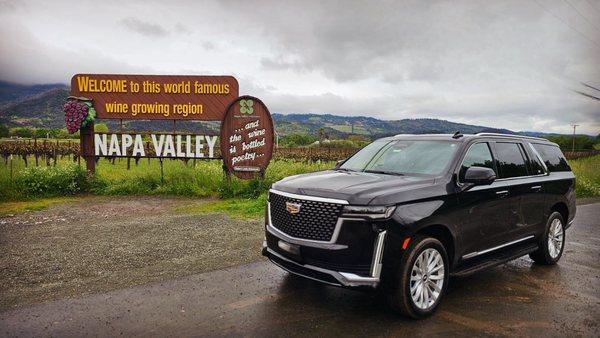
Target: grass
243,199
240,208
587,173
203,179
11,208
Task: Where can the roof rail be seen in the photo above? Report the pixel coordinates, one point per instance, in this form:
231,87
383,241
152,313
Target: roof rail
511,135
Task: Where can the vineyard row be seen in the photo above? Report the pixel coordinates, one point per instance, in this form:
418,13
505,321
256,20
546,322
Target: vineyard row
50,150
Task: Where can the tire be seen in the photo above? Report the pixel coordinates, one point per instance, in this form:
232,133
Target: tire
552,242
398,292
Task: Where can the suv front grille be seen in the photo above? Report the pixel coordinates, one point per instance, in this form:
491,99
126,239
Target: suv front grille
315,220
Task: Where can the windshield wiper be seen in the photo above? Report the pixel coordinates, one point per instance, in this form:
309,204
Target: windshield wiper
343,169
383,172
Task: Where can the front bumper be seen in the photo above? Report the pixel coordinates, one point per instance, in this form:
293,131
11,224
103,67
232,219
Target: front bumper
332,277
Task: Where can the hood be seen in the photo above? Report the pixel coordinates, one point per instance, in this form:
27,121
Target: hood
358,188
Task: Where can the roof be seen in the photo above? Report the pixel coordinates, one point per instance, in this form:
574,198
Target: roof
469,136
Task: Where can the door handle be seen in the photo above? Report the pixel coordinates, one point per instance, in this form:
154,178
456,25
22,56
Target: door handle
502,193
536,188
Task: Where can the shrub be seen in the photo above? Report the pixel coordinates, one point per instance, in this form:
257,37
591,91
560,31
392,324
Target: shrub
52,181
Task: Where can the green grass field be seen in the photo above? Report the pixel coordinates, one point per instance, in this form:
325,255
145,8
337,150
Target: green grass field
34,188
240,198
587,172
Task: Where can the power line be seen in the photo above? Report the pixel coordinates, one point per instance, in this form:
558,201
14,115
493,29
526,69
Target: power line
581,14
592,87
587,95
568,25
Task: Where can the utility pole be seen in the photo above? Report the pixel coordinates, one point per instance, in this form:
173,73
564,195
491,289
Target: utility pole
574,127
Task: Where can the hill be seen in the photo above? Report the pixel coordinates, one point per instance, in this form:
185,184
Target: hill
12,92
339,126
39,110
41,106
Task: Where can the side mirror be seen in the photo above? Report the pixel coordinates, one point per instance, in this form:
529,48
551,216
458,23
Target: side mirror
480,176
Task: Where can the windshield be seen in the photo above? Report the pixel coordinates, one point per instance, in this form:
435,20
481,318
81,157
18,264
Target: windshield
403,157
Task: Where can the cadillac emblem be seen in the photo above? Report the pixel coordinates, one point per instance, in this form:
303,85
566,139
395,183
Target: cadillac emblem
292,208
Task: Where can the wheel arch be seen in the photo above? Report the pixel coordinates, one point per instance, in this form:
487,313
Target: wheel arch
443,234
562,209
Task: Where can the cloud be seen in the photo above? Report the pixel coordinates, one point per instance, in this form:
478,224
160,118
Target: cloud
20,59
144,28
508,64
7,6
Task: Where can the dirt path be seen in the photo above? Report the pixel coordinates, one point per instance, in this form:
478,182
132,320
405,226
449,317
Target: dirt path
105,243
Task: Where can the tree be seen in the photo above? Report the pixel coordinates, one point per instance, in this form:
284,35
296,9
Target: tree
100,128
4,131
295,140
40,132
565,142
322,134
22,132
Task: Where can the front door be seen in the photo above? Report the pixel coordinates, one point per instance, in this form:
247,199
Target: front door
486,211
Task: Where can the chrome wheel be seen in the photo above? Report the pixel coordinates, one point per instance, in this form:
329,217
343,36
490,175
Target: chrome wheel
427,278
555,238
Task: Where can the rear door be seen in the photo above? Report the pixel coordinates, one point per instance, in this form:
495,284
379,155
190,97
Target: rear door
533,201
516,182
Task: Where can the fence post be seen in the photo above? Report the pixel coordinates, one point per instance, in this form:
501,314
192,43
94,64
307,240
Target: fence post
35,151
162,176
55,152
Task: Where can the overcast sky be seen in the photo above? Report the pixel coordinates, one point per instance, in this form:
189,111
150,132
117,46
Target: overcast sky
510,64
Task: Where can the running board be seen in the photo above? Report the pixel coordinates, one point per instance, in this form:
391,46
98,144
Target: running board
493,259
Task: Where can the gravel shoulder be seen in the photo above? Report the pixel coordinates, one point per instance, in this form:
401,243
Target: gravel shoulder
98,244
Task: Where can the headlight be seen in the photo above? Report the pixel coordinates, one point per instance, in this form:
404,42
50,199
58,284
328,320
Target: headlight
372,212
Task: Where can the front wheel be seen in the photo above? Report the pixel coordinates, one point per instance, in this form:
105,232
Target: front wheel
552,242
421,279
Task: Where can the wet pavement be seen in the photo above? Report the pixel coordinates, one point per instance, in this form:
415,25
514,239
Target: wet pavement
518,298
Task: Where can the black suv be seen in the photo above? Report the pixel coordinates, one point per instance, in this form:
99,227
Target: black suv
406,212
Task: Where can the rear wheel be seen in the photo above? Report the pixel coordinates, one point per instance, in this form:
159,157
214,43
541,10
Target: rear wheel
552,242
421,279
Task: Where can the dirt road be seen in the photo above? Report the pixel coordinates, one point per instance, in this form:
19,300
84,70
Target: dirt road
97,244
517,298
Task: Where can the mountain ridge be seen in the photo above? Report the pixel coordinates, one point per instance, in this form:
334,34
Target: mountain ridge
41,106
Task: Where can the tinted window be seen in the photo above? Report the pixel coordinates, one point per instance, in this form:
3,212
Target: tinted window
479,155
511,162
553,157
536,166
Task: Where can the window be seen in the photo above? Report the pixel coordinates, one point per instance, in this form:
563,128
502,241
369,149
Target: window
478,155
553,157
536,166
511,162
403,157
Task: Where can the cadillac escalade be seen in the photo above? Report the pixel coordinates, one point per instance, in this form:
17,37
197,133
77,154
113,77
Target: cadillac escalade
405,213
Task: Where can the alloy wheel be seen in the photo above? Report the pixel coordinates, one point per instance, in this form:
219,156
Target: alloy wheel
427,278
555,238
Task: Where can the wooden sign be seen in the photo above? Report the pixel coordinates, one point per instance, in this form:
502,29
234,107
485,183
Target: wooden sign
151,97
247,137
